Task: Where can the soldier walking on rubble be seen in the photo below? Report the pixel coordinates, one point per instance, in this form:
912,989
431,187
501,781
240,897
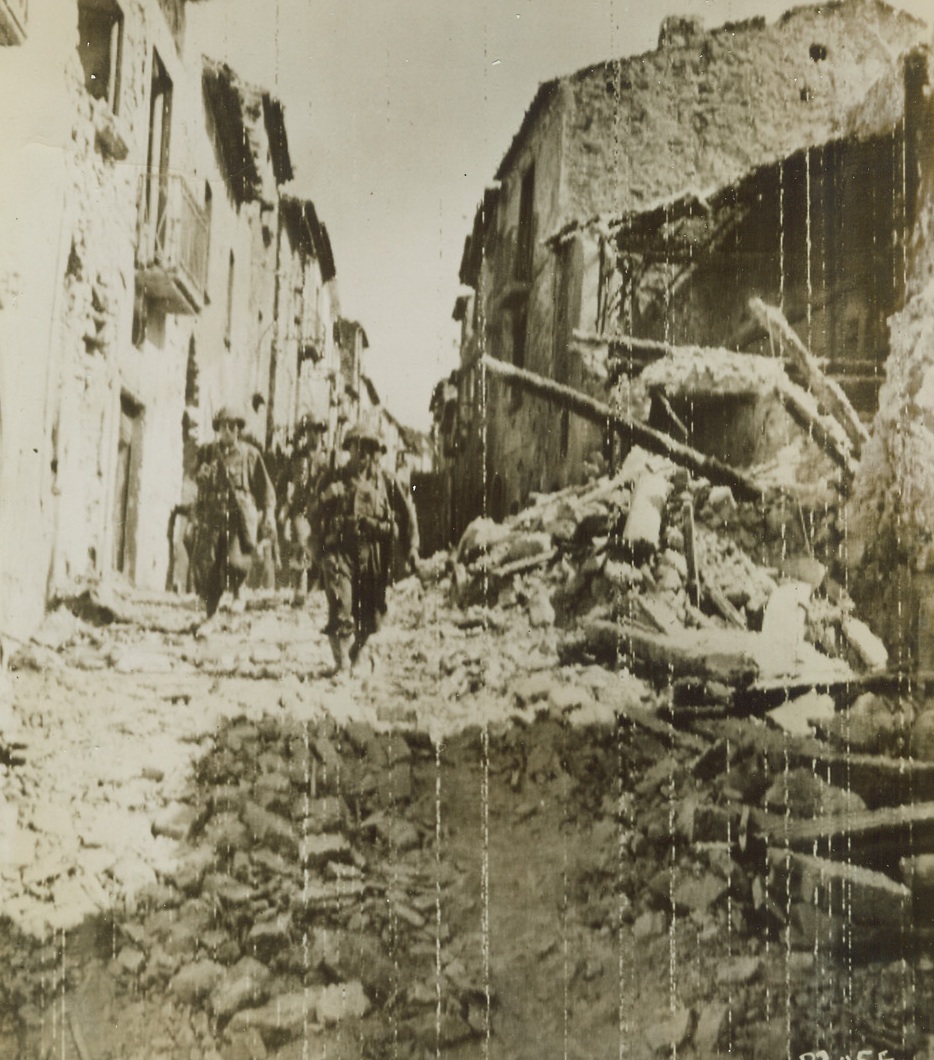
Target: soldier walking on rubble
361,507
235,509
298,494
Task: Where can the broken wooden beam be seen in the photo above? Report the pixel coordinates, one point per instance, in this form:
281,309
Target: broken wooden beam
827,392
725,656
877,779
875,838
695,582
636,432
862,895
723,607
836,445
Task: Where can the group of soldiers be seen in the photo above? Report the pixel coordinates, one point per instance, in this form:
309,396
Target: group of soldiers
342,517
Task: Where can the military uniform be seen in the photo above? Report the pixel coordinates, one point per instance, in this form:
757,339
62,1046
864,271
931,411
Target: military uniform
234,488
304,472
359,513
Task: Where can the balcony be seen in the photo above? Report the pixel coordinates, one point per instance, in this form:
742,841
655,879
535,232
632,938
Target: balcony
172,244
14,15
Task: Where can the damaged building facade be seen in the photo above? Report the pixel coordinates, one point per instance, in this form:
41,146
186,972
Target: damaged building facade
155,265
644,203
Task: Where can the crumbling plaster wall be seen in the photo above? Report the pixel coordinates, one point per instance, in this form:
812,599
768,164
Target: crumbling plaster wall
36,217
527,448
288,330
72,233
231,361
150,374
699,115
318,379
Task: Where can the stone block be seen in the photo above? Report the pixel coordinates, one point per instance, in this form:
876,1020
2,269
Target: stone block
327,814
243,986
341,1001
270,830
227,833
317,850
699,895
284,1019
670,1032
194,982
269,938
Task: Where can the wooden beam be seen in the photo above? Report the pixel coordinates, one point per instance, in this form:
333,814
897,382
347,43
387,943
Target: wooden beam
634,431
827,392
837,447
722,655
877,838
877,779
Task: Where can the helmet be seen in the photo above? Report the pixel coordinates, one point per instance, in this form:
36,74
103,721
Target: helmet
228,414
365,431
309,423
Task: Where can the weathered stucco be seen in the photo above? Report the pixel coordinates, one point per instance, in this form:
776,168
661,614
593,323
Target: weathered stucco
105,385
701,113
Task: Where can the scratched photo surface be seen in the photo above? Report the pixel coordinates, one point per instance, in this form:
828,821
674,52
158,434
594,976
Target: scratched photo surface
466,530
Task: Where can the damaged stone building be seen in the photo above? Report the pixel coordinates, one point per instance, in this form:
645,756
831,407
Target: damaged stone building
643,203
155,265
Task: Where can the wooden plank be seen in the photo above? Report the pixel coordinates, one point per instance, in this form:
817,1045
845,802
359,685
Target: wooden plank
875,838
723,607
695,581
827,392
719,655
636,432
878,780
839,449
862,895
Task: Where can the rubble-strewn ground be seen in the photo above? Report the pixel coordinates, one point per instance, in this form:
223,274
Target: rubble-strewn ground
500,843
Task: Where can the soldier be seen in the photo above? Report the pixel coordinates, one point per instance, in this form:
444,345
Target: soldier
360,507
308,462
235,507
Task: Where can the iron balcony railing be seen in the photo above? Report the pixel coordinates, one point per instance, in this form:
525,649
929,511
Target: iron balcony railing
14,17
173,240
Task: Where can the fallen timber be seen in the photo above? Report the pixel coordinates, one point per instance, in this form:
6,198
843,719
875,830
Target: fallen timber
827,392
874,838
760,696
638,433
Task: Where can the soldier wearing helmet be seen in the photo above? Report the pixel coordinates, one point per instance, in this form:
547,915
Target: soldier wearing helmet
235,507
361,508
307,462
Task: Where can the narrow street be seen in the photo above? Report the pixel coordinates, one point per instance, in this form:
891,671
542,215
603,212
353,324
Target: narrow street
491,844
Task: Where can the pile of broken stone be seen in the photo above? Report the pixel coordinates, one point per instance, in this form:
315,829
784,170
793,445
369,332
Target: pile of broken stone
305,894
799,766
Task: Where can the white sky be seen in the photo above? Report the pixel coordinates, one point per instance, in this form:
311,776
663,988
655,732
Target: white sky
398,113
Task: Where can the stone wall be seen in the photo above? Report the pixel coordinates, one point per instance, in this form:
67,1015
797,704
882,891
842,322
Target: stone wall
697,115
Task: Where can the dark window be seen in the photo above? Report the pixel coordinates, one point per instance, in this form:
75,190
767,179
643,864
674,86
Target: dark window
525,236
228,325
208,211
157,150
100,46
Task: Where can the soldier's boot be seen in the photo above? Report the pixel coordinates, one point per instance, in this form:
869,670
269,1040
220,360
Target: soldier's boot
298,587
340,649
361,660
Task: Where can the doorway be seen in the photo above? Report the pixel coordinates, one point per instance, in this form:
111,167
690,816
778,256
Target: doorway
126,492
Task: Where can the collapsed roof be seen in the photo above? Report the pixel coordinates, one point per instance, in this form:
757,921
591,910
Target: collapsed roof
706,109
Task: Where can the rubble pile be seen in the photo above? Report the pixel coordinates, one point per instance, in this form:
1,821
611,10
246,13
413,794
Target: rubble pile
657,570
798,770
